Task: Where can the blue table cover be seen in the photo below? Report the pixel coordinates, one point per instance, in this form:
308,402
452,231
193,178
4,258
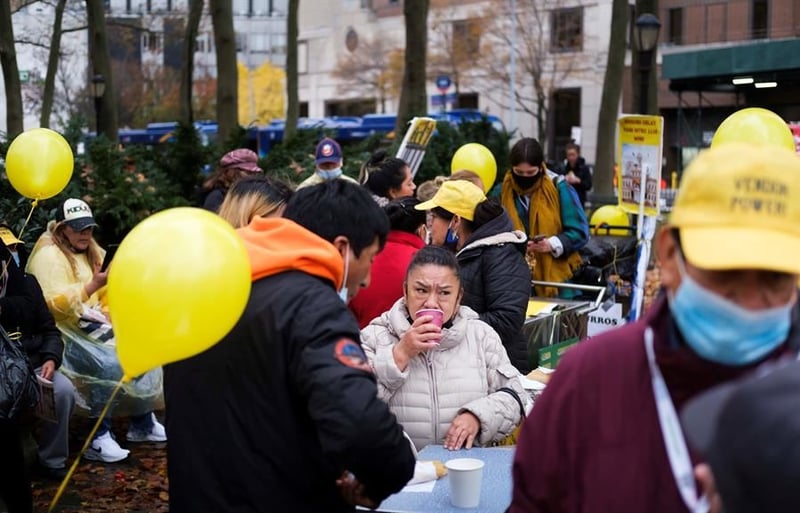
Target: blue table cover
495,486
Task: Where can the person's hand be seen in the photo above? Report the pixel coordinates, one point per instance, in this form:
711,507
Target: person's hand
572,179
542,246
98,281
352,491
422,336
48,369
706,479
462,432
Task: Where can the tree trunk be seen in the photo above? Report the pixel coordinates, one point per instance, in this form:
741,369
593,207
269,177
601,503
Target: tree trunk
101,65
541,118
292,101
413,96
52,66
187,71
603,177
8,61
227,72
643,7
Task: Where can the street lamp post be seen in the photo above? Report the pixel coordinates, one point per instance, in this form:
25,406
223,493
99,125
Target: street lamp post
98,88
645,38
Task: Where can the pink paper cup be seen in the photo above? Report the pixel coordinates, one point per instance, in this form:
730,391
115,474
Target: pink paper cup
438,317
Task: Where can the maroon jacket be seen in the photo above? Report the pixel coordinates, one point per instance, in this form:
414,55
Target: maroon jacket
593,442
386,277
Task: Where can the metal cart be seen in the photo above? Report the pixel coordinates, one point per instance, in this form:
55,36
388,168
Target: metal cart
550,334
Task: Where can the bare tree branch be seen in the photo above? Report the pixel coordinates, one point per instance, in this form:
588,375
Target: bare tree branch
372,68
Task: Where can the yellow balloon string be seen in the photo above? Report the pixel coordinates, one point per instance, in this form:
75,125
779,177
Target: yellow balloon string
88,441
34,204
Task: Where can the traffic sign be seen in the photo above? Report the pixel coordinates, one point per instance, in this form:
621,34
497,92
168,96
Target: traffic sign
443,83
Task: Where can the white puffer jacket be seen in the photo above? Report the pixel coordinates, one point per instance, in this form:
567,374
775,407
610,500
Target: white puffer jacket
462,374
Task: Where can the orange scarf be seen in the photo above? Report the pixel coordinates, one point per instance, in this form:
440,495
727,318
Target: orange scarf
544,218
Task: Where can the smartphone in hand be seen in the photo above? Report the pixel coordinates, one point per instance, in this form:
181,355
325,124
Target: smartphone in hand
539,238
112,249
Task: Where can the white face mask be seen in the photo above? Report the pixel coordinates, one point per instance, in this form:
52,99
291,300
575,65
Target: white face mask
330,174
344,293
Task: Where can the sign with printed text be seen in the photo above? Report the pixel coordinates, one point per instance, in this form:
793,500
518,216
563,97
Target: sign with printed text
415,142
639,156
603,320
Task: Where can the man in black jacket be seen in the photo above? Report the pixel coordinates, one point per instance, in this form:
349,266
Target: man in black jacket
577,173
283,413
25,316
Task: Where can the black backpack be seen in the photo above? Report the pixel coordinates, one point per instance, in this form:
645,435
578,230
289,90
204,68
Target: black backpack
19,389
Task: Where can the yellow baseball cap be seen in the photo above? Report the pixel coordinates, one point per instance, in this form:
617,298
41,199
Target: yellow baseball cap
8,236
458,197
738,207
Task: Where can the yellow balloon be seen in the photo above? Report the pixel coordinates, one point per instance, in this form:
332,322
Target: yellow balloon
478,159
610,215
178,283
754,126
39,163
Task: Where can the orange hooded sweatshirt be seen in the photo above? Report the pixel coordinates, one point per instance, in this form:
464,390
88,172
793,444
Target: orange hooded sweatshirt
277,245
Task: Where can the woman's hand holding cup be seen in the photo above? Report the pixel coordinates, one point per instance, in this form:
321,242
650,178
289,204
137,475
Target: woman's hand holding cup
423,335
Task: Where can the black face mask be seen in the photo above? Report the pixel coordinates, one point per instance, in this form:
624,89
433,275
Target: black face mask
526,182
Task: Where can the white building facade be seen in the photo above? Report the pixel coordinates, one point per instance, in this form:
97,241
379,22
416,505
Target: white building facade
570,36
144,34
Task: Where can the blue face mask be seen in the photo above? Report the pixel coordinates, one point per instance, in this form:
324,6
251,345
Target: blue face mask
451,239
721,331
330,174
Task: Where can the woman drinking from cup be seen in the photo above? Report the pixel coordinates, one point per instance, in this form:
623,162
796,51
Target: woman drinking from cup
491,253
443,372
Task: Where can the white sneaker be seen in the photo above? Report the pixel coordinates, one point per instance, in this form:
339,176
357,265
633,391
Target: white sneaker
156,434
106,449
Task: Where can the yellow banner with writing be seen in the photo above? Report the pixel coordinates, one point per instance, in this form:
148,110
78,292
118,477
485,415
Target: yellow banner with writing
639,156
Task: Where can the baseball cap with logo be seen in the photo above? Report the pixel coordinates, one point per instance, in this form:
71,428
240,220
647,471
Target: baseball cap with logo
8,237
738,207
76,213
458,197
328,150
243,159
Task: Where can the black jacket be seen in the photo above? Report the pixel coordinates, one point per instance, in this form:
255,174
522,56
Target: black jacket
583,172
271,416
497,283
23,310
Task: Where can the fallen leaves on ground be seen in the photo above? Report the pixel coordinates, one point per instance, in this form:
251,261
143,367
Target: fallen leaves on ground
135,485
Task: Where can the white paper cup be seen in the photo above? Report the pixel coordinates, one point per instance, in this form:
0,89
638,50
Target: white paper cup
465,475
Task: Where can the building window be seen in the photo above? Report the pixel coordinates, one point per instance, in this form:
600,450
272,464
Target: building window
169,5
759,19
241,42
675,28
149,5
566,30
151,42
303,109
128,6
467,100
466,37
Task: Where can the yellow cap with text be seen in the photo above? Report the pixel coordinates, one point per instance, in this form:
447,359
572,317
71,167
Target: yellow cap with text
738,207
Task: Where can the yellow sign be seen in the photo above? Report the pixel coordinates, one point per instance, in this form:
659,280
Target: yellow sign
639,156
412,149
